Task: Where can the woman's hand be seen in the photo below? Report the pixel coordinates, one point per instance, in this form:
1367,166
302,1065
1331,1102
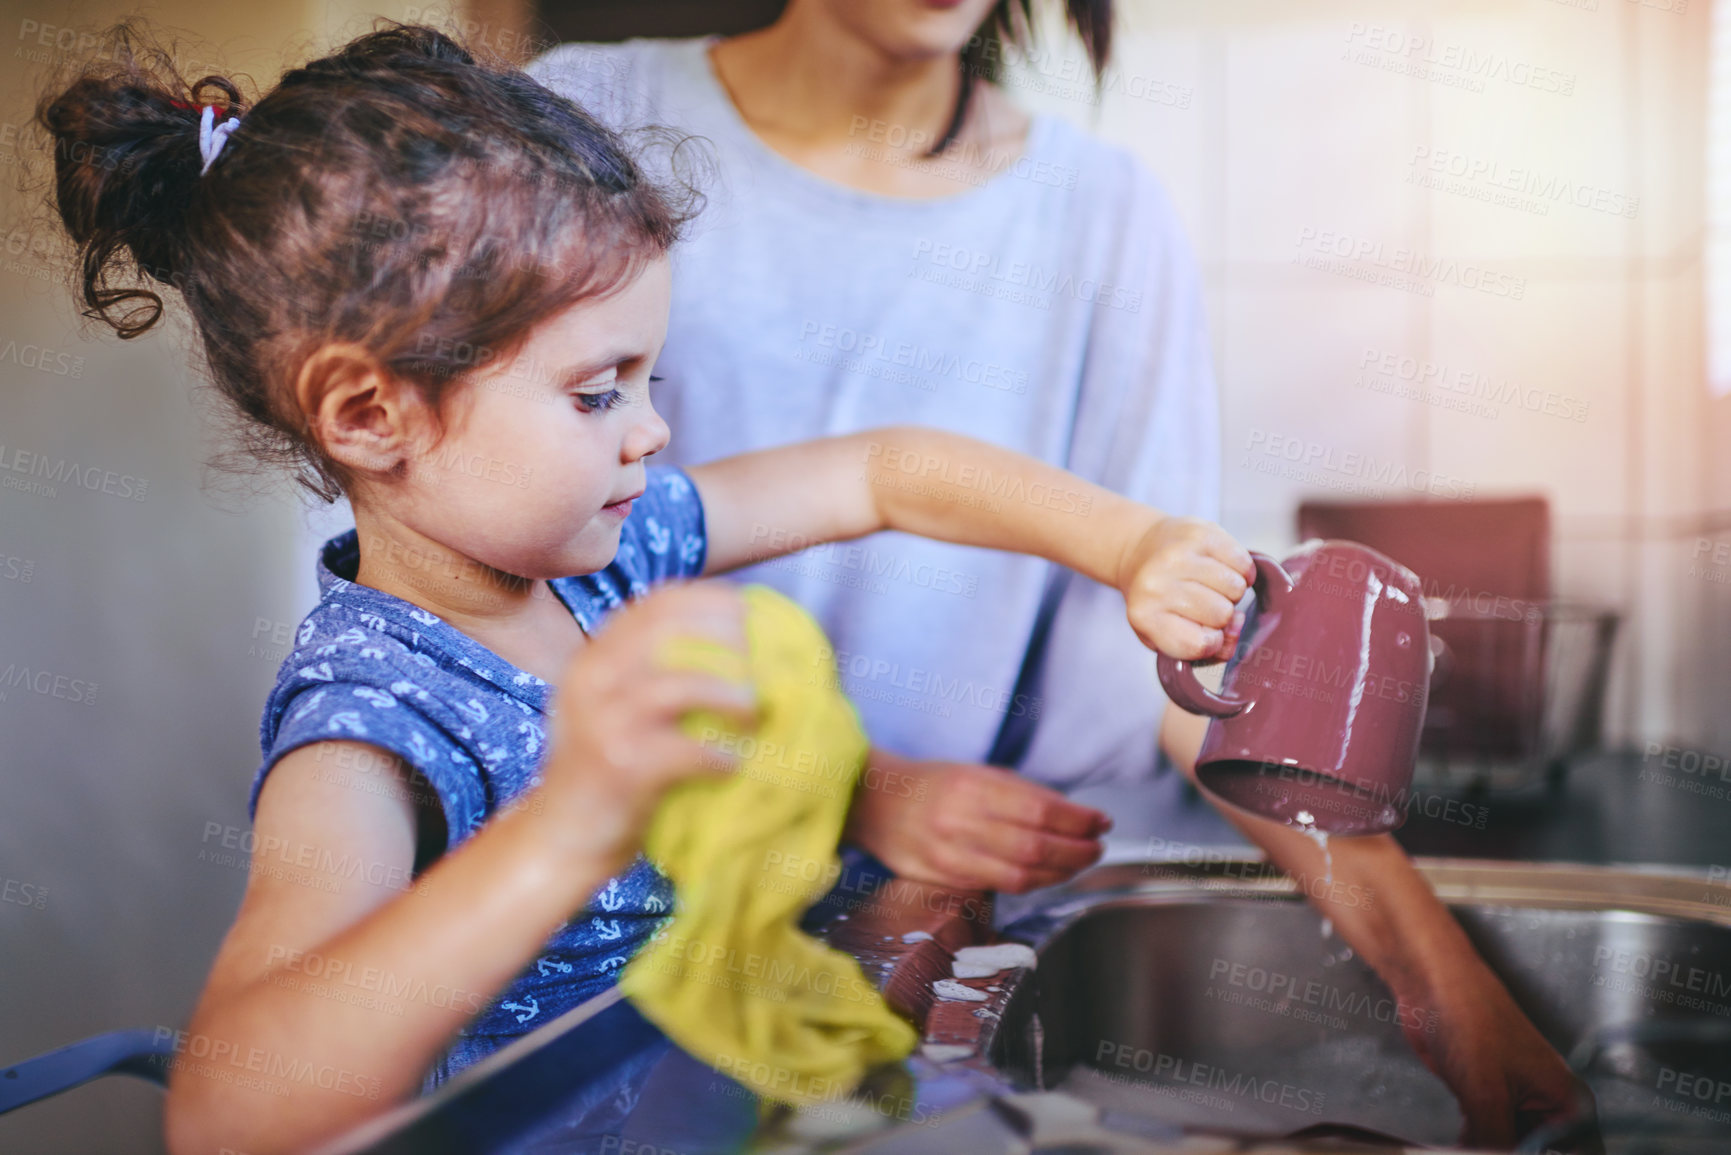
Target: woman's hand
971,827
616,745
1507,1079
1182,579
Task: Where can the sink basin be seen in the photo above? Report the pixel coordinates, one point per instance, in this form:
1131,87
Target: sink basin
1222,1006
1171,1005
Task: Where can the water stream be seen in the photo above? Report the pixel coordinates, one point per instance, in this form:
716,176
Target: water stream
1306,823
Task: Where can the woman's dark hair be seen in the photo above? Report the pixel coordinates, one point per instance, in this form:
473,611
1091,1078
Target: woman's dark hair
1010,22
398,194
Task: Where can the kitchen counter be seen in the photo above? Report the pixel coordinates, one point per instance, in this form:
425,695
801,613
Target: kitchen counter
1611,808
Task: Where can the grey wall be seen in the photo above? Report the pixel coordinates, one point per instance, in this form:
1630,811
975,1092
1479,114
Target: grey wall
109,916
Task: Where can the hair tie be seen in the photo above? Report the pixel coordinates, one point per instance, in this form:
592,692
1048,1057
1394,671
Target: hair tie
212,136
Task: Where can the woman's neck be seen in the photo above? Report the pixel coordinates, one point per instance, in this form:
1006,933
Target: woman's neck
805,79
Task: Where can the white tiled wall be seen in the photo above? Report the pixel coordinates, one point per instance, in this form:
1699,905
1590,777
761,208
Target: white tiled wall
1290,131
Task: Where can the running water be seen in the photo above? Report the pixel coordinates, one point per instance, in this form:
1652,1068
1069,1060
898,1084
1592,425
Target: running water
1306,823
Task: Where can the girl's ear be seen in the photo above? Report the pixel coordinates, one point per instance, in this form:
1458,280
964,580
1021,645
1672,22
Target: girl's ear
362,416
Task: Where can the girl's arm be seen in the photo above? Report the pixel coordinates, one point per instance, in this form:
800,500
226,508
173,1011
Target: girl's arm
1181,578
339,984
956,824
326,1006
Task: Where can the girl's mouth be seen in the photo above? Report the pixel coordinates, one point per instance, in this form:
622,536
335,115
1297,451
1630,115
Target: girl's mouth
621,509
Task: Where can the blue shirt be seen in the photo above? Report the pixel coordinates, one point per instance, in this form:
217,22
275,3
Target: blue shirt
369,667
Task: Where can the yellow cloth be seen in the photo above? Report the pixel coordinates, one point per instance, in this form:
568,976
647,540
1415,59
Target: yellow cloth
732,979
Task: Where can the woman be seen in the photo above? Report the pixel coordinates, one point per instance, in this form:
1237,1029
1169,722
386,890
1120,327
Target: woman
890,239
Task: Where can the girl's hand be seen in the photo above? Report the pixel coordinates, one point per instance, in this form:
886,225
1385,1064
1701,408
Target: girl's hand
616,744
1181,580
971,827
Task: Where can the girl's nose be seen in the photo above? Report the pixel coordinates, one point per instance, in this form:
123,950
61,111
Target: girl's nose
647,435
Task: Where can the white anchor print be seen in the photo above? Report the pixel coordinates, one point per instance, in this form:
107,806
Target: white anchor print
318,673
549,966
675,485
611,963
653,903
423,617
474,711
373,622
689,548
379,700
526,1010
659,535
610,899
609,930
404,689
353,636
300,712
419,748
535,733
346,720
306,634
372,652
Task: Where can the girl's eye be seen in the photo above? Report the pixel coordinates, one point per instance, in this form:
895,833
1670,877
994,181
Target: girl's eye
653,377
596,402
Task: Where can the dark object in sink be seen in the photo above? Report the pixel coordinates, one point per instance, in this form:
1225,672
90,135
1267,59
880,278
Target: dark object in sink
1346,1133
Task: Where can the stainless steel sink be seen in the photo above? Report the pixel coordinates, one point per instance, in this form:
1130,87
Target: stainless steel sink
1170,1005
1209,998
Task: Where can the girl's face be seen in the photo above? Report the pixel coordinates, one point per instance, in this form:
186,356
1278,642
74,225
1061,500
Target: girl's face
542,453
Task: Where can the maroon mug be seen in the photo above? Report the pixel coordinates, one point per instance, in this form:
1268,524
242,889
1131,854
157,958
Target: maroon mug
1318,716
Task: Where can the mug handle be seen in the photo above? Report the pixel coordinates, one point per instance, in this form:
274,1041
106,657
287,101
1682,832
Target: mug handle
1178,676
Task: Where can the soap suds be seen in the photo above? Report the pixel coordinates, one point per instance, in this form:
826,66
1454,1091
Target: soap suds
951,989
981,962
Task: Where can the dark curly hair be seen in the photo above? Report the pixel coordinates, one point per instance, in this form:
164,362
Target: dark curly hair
398,194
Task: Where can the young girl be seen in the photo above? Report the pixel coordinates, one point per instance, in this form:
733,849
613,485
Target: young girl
438,289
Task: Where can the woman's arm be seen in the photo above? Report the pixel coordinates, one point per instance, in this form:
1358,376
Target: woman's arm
1454,1012
1182,578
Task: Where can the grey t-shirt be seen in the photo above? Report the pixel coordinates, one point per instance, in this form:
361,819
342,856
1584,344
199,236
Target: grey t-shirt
1052,307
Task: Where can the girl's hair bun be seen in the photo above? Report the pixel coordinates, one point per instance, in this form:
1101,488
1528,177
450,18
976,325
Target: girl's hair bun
396,195
126,170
